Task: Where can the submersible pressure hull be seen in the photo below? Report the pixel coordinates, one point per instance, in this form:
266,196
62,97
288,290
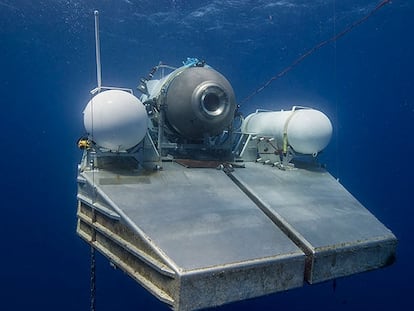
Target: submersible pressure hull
202,237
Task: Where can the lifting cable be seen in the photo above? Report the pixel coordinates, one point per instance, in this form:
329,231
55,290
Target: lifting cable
93,279
92,253
315,48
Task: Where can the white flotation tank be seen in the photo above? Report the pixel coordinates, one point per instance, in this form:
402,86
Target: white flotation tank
115,120
306,130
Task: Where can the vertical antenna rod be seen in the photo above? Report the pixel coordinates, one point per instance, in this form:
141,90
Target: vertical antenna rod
98,51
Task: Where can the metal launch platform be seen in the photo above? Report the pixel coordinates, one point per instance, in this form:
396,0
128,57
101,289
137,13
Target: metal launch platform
203,237
202,206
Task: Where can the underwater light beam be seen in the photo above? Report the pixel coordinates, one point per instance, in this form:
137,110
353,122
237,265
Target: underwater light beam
314,49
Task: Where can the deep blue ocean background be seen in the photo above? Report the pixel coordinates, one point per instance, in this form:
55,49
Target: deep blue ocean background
363,82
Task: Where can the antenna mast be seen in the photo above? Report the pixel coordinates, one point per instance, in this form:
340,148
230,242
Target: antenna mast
98,51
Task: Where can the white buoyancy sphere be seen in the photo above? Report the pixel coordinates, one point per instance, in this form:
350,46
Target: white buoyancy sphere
308,131
115,120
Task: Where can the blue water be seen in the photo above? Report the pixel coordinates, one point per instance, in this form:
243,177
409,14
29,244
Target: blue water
363,82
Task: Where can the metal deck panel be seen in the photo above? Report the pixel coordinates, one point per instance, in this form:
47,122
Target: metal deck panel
336,231
196,239
197,217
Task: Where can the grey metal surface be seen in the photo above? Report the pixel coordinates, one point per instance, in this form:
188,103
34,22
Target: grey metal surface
188,235
199,101
198,237
338,234
198,217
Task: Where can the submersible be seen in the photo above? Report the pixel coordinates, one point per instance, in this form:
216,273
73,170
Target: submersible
203,207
